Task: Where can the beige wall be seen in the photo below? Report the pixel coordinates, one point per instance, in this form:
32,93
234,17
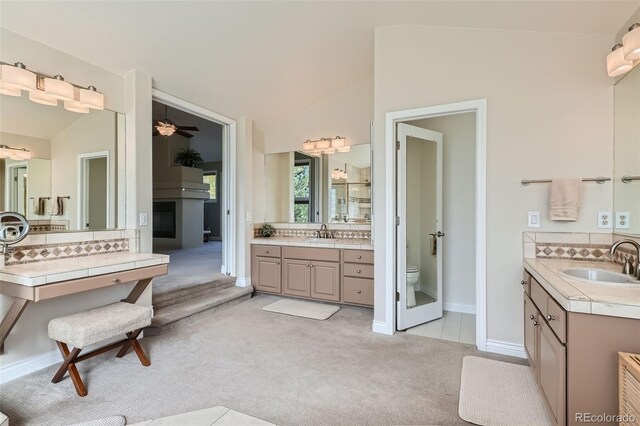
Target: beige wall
95,132
549,114
278,183
458,245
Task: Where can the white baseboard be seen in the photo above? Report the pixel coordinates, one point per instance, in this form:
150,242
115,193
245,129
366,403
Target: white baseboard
459,307
382,328
243,282
29,365
506,348
430,291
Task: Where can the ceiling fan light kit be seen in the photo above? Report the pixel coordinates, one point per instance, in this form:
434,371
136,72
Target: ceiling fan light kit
166,127
47,90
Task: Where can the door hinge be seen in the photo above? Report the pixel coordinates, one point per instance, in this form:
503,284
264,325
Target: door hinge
397,220
397,296
228,212
397,145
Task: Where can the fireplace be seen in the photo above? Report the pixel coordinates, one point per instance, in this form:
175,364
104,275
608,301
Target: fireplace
164,219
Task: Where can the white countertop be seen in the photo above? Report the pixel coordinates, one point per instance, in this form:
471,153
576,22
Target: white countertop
50,271
575,295
339,243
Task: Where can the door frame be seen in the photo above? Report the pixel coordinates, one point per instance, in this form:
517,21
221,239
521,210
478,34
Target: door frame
479,107
82,185
228,174
8,189
430,310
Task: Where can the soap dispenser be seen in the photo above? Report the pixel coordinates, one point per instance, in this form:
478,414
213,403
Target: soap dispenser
628,267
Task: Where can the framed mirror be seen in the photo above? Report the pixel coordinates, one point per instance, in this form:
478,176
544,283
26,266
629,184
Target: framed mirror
68,180
626,154
332,188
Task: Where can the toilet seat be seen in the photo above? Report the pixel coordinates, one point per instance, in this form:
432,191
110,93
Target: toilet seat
412,269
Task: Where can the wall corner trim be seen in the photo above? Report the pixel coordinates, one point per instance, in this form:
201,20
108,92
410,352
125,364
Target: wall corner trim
382,328
243,282
506,348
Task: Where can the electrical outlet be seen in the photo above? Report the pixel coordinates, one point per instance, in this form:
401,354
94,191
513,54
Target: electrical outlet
605,220
144,219
533,219
623,220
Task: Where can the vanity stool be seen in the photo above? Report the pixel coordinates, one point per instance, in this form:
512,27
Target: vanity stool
92,326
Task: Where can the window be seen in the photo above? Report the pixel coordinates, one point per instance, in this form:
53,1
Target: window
302,191
211,179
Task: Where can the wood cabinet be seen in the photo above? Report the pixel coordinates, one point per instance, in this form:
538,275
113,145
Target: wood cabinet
574,355
326,274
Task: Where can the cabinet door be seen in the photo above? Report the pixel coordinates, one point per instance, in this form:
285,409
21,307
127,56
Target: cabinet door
296,278
531,319
269,273
325,280
552,373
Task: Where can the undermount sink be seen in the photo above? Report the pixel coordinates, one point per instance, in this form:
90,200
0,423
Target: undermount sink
598,275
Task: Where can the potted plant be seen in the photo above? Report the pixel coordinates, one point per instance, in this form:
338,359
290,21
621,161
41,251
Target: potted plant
267,230
188,157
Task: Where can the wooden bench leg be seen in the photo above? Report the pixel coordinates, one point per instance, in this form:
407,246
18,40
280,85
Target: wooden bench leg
142,356
69,365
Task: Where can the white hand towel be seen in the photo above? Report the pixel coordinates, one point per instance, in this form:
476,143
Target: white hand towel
564,199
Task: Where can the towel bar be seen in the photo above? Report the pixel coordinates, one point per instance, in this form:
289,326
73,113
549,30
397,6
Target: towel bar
628,179
599,179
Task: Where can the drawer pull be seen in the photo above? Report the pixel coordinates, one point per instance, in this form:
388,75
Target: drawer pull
116,280
535,323
550,317
359,291
307,265
359,271
267,251
532,317
521,282
278,262
311,266
359,257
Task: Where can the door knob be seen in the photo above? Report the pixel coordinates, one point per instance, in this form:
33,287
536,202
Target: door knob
440,234
535,323
531,316
550,317
522,282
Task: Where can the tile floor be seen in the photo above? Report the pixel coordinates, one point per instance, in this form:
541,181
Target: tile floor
218,416
453,326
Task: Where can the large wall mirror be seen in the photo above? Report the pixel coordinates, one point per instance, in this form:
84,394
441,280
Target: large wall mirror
300,188
626,189
70,181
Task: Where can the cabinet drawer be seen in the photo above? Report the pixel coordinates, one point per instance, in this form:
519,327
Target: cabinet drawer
358,256
320,254
357,290
539,296
358,270
266,251
557,319
526,282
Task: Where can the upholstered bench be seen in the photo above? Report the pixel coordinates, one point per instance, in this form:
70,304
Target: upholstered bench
92,326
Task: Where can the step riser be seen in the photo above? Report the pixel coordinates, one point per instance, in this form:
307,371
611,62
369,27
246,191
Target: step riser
166,299
154,331
191,295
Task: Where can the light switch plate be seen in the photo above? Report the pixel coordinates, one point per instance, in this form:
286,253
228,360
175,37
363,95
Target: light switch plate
248,216
533,219
144,219
623,220
605,220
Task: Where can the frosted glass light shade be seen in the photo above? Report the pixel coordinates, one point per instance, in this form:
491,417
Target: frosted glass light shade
308,146
323,144
58,88
75,106
631,43
19,76
338,142
329,151
315,153
616,64
91,98
344,149
9,89
39,97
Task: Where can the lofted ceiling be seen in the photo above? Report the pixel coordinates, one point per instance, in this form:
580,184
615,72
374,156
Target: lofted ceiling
270,60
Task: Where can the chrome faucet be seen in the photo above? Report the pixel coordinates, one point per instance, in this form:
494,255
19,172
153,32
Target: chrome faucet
617,244
324,232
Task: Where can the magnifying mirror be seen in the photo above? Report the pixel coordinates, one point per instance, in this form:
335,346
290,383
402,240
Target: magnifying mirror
13,229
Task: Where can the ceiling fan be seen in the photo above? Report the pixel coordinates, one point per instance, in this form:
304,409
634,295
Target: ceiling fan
167,127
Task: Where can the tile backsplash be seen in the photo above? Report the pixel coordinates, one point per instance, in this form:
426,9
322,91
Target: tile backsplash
575,246
53,246
339,230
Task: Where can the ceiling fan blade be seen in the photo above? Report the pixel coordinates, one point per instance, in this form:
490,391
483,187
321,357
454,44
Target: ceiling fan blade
190,128
185,134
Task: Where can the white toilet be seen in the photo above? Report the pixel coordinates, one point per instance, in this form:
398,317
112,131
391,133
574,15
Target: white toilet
413,278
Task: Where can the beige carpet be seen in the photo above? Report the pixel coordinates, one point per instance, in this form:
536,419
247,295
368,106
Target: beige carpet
301,308
282,369
494,393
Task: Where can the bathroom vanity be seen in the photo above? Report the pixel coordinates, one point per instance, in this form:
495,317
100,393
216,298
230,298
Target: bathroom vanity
573,331
341,275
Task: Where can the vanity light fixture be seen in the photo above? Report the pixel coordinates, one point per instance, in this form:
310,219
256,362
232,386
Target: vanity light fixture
325,146
14,153
19,76
308,146
337,142
616,64
47,90
631,43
